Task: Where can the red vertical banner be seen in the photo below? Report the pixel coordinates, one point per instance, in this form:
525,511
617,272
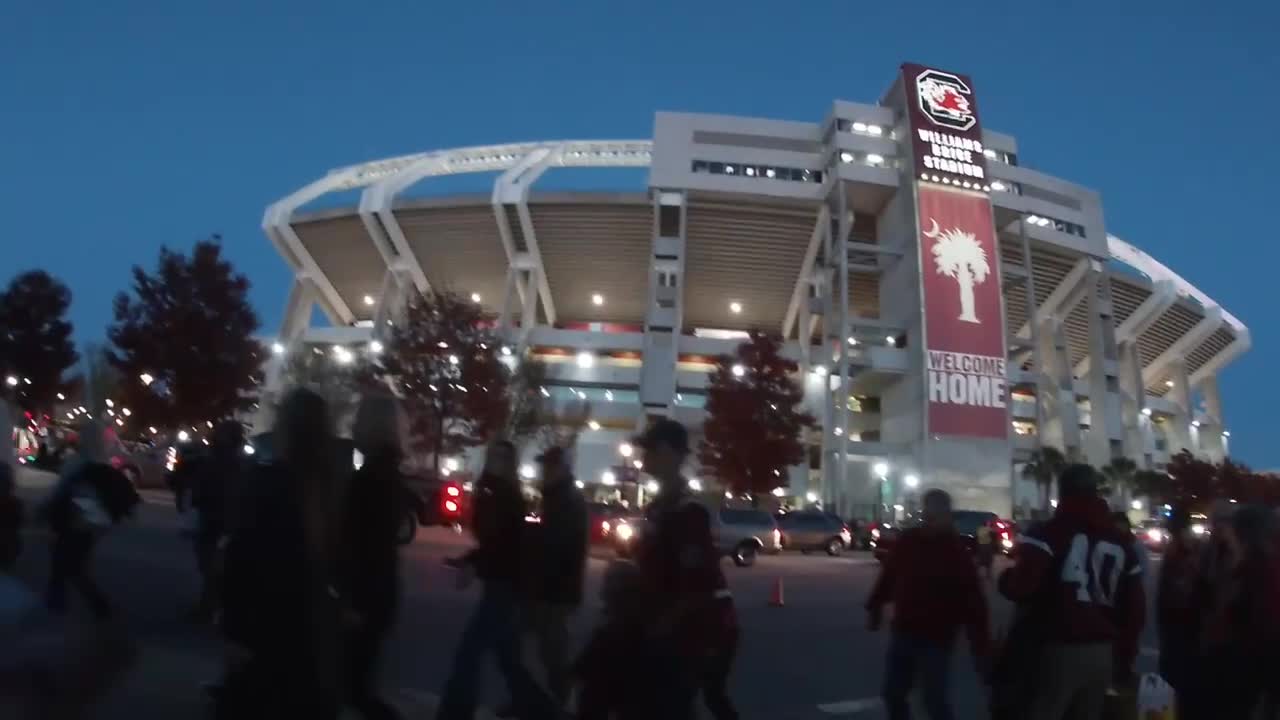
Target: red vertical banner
965,364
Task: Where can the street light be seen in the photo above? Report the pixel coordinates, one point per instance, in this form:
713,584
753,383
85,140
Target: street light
608,479
695,484
146,378
779,492
625,450
911,481
811,497
881,469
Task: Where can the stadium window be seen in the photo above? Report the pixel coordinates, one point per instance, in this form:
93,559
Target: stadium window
669,220
700,166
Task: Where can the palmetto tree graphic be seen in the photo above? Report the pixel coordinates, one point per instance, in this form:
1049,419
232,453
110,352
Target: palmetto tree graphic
957,254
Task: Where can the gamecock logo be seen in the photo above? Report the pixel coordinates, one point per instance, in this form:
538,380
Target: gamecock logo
945,99
958,255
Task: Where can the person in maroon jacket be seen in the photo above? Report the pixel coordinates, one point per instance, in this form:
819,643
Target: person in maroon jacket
1079,579
932,582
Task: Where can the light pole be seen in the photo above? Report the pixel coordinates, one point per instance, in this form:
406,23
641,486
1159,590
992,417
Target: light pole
912,482
881,469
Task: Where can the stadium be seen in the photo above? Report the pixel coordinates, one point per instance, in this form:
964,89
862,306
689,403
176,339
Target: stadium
951,309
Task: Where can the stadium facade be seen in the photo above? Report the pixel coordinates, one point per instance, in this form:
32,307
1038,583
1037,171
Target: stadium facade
951,309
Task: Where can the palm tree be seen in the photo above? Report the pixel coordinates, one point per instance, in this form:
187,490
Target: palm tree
960,256
1043,468
1118,478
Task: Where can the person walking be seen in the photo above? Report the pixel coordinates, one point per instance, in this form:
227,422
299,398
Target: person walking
89,498
933,585
613,669
1079,581
498,522
1177,622
986,550
1240,629
214,481
561,563
372,577
692,612
281,607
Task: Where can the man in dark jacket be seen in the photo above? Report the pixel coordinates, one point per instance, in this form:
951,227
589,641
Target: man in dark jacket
931,581
1079,582
498,521
213,481
563,561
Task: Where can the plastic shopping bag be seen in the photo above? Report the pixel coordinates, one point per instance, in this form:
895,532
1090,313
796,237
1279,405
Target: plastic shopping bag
1155,698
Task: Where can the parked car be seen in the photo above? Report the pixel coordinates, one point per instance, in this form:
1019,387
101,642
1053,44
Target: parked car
807,531
739,534
743,533
966,524
1153,534
601,519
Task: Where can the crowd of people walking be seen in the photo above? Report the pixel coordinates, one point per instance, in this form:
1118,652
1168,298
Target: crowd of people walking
299,567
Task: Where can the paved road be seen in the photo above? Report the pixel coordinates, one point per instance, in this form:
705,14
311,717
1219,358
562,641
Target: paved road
812,659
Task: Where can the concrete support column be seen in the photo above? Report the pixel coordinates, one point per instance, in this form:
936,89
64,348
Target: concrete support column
1178,428
1133,400
1056,390
297,317
1106,428
664,317
1213,443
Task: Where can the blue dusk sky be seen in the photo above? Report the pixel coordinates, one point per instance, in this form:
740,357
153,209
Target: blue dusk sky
128,125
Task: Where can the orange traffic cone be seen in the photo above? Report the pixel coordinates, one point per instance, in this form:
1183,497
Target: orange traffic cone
776,597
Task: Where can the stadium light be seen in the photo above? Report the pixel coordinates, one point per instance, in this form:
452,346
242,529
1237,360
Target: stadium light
695,484
183,436
368,300
820,370
625,449
475,297
738,371
528,472
1146,412
911,481
811,497
277,348
875,130
735,307
608,479
881,469
652,486
846,157
593,424
853,341
597,299
147,378
375,347
586,360
874,159
11,381
61,396
779,492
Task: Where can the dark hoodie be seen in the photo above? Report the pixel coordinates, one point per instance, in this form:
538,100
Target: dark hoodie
1079,579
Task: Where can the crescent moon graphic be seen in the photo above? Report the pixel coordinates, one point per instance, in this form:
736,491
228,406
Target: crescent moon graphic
934,232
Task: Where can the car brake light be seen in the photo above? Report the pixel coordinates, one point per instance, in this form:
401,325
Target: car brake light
451,506
875,533
453,491
605,527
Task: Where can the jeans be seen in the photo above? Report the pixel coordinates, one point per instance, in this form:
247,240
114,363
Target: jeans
493,627
910,660
715,681
70,563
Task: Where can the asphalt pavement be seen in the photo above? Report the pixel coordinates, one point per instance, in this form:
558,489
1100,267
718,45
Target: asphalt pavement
811,659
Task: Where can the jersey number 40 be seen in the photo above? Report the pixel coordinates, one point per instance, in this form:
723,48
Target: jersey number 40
1095,571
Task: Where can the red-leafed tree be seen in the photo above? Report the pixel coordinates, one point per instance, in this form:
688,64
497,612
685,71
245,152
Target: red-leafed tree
35,340
1192,480
443,359
754,428
182,340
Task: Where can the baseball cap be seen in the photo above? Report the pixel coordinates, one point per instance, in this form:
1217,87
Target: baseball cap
665,431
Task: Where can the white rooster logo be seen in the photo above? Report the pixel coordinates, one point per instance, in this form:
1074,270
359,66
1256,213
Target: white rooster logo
958,255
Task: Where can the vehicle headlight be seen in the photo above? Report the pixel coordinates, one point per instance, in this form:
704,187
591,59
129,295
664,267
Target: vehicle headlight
1155,534
624,532
875,533
1007,543
1199,529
